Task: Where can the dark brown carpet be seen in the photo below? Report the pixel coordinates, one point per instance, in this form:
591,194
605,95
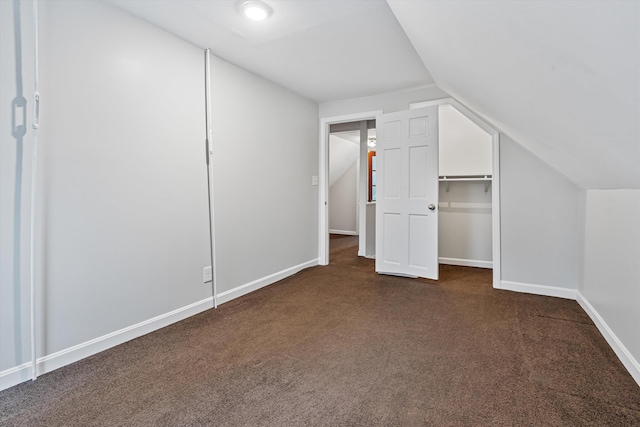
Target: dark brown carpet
340,346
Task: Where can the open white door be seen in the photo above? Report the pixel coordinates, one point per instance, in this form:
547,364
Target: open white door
407,193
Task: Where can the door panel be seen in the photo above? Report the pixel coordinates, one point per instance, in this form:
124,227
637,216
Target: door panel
392,182
418,246
406,229
418,157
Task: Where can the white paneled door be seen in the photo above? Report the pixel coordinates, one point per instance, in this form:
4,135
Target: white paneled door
407,199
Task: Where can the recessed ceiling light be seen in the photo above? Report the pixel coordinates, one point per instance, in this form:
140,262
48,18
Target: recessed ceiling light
256,10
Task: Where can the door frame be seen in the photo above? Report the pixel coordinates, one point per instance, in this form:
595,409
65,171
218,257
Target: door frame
495,179
323,172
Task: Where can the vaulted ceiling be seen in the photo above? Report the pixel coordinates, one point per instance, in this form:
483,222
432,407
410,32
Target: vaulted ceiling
562,78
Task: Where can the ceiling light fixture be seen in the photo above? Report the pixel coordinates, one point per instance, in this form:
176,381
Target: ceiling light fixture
256,10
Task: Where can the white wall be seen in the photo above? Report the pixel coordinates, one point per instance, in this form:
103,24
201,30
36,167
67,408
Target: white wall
464,218
463,148
343,181
539,224
388,102
123,224
15,182
263,191
611,284
342,154
343,202
123,218
464,224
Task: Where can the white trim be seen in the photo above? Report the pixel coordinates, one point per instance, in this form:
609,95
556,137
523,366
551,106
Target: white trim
210,187
544,290
345,232
16,375
356,199
32,214
424,104
630,363
496,255
465,262
323,174
73,354
363,193
21,373
265,281
625,356
78,352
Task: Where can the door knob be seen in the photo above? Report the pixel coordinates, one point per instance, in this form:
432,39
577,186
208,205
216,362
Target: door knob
432,207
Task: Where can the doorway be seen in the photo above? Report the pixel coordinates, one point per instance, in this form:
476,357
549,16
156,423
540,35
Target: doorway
478,182
357,127
347,171
465,175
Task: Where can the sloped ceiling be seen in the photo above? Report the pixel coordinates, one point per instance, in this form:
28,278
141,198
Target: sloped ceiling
342,154
321,49
560,77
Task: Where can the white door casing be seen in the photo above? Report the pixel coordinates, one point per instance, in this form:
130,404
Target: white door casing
323,214
407,193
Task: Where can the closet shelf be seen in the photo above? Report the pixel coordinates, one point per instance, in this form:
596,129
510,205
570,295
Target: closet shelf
465,178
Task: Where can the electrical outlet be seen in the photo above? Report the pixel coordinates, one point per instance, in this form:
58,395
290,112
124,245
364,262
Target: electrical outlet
314,180
207,274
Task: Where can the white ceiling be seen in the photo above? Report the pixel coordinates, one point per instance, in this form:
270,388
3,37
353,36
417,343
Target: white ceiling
562,78
322,49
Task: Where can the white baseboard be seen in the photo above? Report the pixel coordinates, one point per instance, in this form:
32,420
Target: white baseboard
21,373
630,363
345,232
625,356
465,262
78,352
261,283
549,291
15,375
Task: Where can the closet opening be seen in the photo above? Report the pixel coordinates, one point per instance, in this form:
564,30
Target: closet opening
469,188
465,167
